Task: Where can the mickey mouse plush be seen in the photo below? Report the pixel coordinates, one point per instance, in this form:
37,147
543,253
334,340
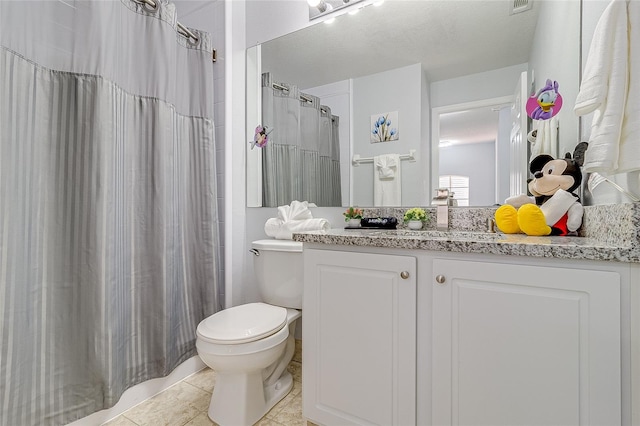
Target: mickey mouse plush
554,209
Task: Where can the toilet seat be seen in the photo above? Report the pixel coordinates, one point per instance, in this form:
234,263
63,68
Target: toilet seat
242,324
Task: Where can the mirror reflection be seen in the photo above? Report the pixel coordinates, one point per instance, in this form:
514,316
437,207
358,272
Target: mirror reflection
428,65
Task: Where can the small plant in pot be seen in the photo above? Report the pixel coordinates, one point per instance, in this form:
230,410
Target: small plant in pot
353,216
415,218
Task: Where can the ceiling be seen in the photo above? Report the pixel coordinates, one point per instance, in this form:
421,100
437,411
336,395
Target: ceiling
450,38
471,126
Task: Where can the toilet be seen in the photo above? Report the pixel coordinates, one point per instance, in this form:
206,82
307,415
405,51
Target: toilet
250,346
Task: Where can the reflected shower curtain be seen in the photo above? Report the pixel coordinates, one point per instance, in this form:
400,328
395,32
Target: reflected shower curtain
108,222
302,159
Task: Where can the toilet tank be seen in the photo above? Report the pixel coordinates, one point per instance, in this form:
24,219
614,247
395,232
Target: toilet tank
278,269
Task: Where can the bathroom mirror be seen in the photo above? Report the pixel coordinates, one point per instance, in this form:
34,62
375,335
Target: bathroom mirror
438,54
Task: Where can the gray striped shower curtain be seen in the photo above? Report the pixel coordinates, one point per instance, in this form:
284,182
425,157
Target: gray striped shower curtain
108,222
302,160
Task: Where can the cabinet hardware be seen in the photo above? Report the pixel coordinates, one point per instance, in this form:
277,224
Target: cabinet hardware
404,275
440,279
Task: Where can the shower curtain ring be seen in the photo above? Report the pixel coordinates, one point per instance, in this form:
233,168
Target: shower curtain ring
149,5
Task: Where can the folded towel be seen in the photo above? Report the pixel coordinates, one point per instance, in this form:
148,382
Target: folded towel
387,183
386,166
295,217
297,210
545,140
281,230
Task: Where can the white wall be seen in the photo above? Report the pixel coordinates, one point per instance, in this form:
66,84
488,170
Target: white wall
396,90
476,87
476,160
235,159
266,20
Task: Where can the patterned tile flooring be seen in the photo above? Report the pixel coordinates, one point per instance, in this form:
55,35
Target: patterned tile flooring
186,403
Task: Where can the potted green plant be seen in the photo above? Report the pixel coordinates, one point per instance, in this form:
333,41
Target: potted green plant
353,216
415,218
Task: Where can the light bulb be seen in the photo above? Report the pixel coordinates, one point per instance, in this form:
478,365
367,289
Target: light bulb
323,6
313,3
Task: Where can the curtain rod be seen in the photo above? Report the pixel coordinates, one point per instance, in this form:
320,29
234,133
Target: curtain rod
302,96
181,28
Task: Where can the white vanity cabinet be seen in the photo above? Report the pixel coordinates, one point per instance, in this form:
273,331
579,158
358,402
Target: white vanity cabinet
522,344
359,338
468,339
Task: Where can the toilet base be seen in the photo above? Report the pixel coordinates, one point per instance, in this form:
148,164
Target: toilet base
257,400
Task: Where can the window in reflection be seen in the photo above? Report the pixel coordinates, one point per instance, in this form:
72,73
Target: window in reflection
458,186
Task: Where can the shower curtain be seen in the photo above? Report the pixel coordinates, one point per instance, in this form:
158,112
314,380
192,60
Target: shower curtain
302,160
108,222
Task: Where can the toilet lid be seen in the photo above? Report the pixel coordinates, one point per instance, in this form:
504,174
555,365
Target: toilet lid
243,323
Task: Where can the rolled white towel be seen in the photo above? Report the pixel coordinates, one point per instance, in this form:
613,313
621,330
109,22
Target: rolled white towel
272,226
285,232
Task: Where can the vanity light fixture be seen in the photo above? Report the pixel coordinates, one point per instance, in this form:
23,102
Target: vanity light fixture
321,5
322,8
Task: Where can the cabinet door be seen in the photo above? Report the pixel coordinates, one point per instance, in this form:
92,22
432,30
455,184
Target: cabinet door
359,338
518,345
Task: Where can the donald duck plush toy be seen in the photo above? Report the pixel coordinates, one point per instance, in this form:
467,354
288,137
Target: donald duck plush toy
554,209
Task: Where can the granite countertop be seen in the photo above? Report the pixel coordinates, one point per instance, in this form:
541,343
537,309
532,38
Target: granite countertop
610,233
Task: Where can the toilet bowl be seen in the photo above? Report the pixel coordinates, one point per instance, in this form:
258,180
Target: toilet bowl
250,346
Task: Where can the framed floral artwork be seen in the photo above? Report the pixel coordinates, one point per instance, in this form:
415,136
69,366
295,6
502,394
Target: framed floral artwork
384,127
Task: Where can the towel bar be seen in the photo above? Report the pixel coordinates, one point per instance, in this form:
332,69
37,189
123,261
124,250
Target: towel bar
411,156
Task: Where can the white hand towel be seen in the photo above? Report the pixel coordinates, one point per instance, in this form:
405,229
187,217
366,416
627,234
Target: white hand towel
546,140
386,166
629,158
604,88
387,182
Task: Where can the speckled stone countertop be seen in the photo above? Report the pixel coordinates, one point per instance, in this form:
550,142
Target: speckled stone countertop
609,232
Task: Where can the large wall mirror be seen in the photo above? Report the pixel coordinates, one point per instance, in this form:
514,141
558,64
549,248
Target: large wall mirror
445,75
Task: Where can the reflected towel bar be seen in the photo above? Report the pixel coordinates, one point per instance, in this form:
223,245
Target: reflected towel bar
411,156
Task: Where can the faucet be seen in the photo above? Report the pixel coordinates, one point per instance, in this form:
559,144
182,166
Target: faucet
491,225
442,200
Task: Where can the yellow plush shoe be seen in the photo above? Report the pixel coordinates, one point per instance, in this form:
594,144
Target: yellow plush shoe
531,220
507,219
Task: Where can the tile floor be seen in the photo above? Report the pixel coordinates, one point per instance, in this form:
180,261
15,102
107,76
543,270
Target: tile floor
186,403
